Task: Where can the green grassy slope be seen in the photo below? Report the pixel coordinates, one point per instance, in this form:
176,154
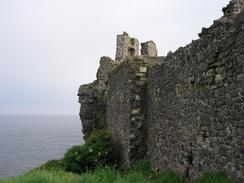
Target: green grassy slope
107,175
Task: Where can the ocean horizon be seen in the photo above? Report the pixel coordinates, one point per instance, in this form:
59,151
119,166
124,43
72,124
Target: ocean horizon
27,141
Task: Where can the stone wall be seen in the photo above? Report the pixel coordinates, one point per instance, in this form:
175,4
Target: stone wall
195,104
106,66
126,109
149,49
186,112
232,10
127,47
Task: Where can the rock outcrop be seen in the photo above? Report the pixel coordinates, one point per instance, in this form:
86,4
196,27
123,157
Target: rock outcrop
92,98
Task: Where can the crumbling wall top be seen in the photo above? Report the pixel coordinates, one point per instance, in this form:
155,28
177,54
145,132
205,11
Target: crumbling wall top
126,47
232,10
149,49
105,68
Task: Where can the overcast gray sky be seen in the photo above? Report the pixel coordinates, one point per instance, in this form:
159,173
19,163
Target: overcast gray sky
50,47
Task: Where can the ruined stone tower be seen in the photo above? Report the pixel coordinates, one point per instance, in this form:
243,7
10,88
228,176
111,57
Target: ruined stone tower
127,47
149,49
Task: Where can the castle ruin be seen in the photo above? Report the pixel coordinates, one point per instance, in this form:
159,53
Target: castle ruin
128,48
184,111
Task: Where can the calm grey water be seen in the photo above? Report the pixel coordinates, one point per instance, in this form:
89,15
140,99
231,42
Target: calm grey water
28,141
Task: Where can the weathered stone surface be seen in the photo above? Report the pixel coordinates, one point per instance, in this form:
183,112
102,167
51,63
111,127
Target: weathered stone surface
127,47
126,109
201,129
192,117
106,65
143,69
186,112
233,9
86,95
92,98
92,108
149,49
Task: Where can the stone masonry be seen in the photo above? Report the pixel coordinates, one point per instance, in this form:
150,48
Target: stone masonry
184,111
106,65
195,102
149,49
233,9
126,109
127,47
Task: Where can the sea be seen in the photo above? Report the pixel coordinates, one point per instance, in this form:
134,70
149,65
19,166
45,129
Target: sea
27,141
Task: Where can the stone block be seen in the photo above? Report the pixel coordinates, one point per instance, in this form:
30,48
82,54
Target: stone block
135,111
178,90
210,72
137,98
219,78
143,69
239,77
140,74
140,83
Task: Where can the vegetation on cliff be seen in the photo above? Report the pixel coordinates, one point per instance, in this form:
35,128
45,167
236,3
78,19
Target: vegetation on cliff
141,173
97,152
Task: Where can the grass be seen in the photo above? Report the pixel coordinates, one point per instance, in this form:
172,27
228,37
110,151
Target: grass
53,165
44,176
214,177
109,175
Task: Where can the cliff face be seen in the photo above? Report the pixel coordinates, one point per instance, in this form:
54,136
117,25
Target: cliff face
184,111
92,98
